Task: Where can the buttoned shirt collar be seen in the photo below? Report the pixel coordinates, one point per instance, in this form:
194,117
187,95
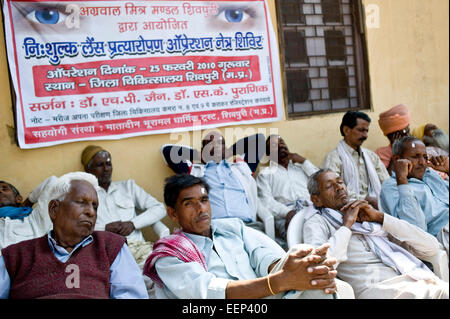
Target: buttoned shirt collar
62,251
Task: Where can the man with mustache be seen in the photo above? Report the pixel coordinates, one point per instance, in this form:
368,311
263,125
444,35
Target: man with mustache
233,189
377,254
282,186
71,260
395,124
416,193
361,169
223,258
125,208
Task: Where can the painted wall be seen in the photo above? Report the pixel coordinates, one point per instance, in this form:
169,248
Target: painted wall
408,61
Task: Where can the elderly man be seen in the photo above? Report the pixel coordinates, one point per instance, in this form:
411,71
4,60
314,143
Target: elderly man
119,202
395,124
414,192
223,258
233,189
433,137
366,244
72,260
282,186
361,168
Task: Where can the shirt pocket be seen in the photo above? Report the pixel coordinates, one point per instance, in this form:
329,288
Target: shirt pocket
125,206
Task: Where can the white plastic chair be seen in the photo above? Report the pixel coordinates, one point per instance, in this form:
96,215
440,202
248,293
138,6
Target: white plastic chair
440,264
268,220
294,236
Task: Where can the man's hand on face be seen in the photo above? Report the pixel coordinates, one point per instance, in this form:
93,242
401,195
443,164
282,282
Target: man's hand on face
296,158
439,163
402,168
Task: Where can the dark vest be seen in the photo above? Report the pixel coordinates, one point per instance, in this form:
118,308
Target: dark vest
35,272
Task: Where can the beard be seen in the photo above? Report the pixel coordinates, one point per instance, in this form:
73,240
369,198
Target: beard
438,139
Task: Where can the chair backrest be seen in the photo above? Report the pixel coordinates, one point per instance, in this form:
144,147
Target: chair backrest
294,234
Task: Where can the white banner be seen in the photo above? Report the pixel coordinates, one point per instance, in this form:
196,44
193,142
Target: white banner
90,70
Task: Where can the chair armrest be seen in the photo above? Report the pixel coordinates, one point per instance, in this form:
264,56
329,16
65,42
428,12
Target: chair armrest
268,221
160,229
344,290
440,264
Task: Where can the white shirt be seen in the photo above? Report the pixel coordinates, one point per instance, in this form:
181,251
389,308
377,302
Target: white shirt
122,202
356,263
35,225
278,186
334,162
13,231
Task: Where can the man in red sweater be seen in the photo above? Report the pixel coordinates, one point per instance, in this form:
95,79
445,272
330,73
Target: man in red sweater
72,260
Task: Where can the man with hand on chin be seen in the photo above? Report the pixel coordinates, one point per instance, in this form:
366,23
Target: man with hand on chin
223,258
416,193
374,251
282,186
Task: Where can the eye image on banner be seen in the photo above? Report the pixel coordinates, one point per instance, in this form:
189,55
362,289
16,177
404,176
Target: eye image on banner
91,70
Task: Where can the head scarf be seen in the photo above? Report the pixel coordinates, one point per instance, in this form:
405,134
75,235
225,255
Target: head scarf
89,152
394,119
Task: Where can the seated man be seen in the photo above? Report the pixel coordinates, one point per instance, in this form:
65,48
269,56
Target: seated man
17,222
282,186
361,169
233,188
395,124
366,244
250,149
222,258
434,138
414,192
119,201
72,260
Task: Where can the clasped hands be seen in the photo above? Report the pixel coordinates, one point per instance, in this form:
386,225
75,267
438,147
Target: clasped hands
121,228
307,269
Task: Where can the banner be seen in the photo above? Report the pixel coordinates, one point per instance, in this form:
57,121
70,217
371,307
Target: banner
90,70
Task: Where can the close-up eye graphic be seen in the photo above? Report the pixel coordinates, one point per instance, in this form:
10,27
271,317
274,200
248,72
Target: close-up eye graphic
46,16
235,17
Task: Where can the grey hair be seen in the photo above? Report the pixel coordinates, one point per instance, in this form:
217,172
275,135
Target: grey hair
439,139
89,164
399,145
313,181
62,185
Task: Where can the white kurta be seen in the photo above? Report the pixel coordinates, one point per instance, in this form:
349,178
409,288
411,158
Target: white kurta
364,271
126,201
35,225
278,186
